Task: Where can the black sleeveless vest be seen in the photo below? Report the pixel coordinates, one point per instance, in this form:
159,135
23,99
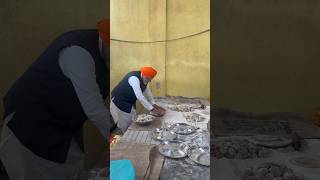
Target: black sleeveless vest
47,110
123,94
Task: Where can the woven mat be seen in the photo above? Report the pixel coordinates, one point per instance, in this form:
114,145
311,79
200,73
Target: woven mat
228,122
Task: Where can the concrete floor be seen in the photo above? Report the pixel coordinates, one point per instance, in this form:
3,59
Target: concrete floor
223,169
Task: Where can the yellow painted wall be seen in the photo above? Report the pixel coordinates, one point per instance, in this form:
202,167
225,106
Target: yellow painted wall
183,65
188,67
127,57
188,59
27,28
266,55
137,21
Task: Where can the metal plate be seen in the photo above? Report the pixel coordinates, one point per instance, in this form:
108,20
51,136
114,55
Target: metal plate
200,156
202,140
270,141
144,119
306,162
182,128
163,134
194,117
173,149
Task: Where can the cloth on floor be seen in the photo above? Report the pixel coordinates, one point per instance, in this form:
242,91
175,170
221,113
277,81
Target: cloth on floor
156,163
139,154
122,170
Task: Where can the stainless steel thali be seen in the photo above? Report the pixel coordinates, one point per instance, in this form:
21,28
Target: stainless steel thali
202,140
306,161
144,119
173,149
182,128
200,156
163,134
270,141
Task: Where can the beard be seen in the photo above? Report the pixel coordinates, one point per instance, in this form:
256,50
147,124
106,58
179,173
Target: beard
145,82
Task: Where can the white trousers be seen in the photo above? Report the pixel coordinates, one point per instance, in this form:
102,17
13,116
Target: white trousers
22,164
122,118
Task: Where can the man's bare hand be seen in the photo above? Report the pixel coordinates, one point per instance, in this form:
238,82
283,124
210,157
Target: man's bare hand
159,107
158,111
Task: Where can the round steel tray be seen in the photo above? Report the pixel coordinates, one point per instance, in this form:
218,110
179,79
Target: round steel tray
270,141
194,117
143,119
145,123
200,156
163,134
182,128
173,149
202,140
306,162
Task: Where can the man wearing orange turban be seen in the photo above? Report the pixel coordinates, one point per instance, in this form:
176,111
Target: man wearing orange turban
125,94
47,106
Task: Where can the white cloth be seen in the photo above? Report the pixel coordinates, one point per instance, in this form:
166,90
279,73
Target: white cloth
22,164
135,84
78,65
121,118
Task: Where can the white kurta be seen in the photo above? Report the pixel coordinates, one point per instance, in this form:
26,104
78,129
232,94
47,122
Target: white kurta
22,164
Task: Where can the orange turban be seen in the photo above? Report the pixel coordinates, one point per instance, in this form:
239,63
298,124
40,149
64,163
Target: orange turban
148,72
104,31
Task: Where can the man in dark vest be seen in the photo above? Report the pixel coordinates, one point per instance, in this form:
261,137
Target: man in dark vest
130,89
47,106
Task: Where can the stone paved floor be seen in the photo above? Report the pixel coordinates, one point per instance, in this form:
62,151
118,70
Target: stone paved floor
224,169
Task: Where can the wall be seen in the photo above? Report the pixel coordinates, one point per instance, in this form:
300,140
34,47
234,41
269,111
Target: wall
27,28
148,33
188,59
136,22
266,55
